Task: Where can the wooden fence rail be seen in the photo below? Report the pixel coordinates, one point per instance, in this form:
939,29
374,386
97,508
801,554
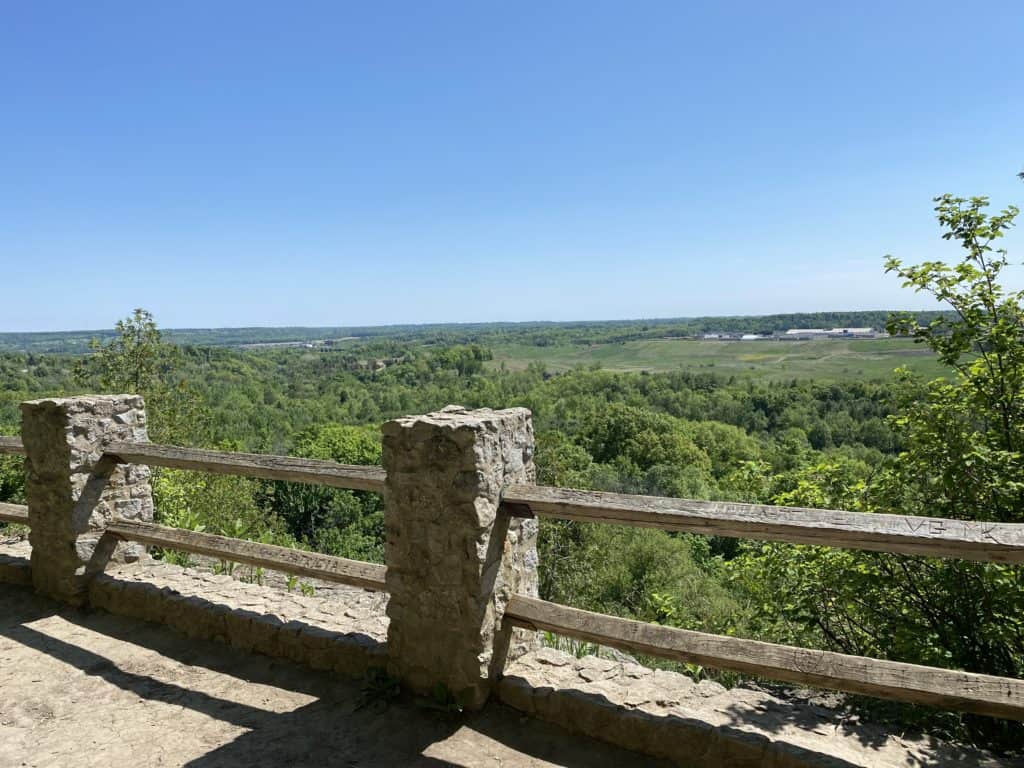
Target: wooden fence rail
903,534
296,561
352,476
11,445
965,691
909,535
13,513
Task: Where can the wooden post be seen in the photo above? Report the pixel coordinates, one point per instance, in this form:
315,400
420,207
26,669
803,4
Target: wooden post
73,491
454,560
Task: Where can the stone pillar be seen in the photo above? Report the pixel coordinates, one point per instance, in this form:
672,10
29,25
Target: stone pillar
454,560
72,494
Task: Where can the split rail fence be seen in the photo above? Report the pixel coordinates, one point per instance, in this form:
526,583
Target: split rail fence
923,536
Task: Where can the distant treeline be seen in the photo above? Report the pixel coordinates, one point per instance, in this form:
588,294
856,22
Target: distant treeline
536,333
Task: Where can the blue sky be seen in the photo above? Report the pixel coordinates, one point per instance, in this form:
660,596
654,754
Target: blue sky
247,163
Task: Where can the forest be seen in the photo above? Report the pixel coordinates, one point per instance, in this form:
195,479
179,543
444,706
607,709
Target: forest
541,334
904,443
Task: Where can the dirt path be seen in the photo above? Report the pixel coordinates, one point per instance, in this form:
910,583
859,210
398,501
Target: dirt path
89,689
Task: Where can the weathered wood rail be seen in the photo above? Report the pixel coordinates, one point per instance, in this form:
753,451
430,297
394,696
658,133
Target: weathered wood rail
965,691
13,513
11,445
903,534
352,476
296,561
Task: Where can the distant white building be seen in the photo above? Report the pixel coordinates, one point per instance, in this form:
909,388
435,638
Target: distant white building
831,333
806,333
863,333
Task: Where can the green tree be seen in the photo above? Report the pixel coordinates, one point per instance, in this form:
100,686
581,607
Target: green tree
331,520
12,482
960,458
132,360
138,361
12,475
966,434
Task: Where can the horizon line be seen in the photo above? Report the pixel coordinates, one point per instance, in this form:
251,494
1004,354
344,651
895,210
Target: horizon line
465,323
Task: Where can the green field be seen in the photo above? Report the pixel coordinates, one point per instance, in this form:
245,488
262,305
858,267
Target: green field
823,360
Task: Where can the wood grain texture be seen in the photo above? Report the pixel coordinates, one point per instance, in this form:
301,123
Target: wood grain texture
351,476
948,689
13,513
11,445
311,564
931,536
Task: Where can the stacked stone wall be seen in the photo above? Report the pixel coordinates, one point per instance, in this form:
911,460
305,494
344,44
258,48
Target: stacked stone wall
454,559
73,491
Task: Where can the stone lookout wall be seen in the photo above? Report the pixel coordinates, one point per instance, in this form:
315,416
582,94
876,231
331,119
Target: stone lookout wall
343,629
454,558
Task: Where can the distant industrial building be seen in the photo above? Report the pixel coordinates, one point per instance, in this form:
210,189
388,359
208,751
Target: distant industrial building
797,334
831,333
862,333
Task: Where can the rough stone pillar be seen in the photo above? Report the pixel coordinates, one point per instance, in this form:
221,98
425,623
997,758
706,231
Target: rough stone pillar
453,560
72,494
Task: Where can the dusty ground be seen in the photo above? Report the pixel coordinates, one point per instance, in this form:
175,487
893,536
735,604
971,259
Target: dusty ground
80,689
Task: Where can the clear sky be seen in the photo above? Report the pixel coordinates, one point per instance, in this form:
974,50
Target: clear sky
326,163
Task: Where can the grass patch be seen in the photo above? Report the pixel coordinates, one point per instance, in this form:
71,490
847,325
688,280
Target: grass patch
830,360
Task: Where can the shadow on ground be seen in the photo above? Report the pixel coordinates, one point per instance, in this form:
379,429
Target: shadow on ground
339,727
204,704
